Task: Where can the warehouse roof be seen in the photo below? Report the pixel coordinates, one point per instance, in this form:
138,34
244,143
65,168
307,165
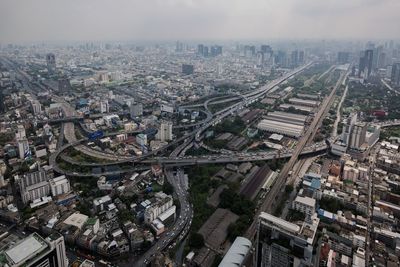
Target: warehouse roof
280,127
236,253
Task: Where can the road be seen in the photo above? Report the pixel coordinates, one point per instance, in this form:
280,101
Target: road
338,112
389,87
275,192
181,161
247,99
372,161
181,226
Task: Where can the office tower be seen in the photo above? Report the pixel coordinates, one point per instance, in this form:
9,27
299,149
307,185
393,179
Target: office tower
282,243
369,56
200,49
136,110
216,50
22,142
36,107
51,62
343,57
34,251
179,47
348,127
187,69
382,60
395,77
57,244
280,58
205,51
165,132
294,58
358,134
23,148
260,58
34,185
266,49
252,49
301,57
376,57
104,106
361,65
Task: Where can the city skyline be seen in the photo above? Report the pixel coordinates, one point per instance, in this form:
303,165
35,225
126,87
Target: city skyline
57,21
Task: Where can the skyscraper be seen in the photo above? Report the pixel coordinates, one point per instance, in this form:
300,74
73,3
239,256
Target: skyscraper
200,49
34,250
205,51
294,58
343,57
216,50
282,243
51,62
348,128
165,131
358,134
369,57
395,77
301,57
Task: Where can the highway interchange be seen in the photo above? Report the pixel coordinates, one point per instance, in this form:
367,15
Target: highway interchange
177,158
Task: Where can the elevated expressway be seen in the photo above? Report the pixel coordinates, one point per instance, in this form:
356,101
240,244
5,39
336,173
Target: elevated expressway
69,130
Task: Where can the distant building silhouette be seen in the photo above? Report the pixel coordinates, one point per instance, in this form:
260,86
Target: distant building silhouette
51,62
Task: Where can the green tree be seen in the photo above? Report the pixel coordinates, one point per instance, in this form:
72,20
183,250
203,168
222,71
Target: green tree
196,240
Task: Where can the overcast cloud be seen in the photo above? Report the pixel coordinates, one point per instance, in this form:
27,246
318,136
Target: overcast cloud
75,20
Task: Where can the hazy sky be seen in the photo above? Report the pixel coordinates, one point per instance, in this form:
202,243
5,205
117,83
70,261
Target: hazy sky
75,20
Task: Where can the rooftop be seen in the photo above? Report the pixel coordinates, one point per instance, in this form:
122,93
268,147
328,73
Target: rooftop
280,223
25,249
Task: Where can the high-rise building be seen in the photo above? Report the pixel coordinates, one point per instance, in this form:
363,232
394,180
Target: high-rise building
301,57
23,148
141,139
136,110
358,135
57,244
200,49
216,50
294,58
266,49
343,57
34,185
395,77
22,142
205,51
187,69
368,57
104,106
36,107
282,243
165,132
59,185
348,127
51,62
34,250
